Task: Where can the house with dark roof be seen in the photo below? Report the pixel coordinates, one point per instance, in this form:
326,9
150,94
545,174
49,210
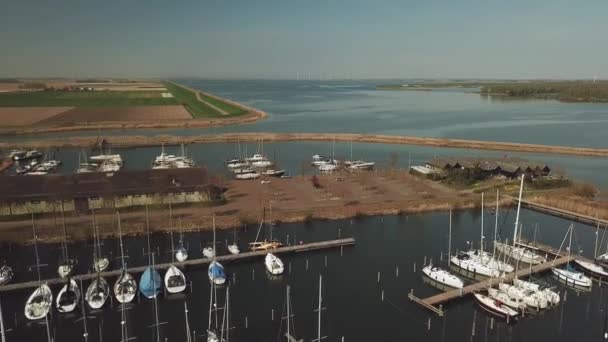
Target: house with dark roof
82,192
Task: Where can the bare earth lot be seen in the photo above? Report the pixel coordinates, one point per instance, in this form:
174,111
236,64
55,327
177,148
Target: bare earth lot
105,114
20,116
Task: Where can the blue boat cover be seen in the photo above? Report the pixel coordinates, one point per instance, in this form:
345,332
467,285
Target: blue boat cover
216,271
150,282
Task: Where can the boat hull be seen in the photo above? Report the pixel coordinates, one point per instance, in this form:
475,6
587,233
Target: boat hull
97,293
125,288
150,283
175,280
68,297
39,303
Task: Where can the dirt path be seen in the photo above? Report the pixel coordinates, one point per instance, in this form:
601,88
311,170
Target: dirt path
219,110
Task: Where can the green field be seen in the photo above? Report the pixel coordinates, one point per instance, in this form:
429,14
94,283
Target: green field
103,98
199,109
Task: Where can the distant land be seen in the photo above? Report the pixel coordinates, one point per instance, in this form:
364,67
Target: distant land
566,91
34,106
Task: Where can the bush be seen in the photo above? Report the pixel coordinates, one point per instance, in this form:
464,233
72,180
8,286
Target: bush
584,190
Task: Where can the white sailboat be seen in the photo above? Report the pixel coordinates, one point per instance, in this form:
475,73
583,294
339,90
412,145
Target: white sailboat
175,280
551,296
100,262
290,331
441,275
519,253
595,269
216,271
570,276
213,327
125,286
68,297
40,301
273,264
513,302
496,307
97,293
532,299
65,268
6,274
182,252
233,248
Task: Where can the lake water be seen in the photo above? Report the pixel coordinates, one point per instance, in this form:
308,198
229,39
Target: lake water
390,245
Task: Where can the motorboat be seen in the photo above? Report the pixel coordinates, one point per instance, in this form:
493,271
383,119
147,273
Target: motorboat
125,288
256,157
236,164
591,268
216,273
274,265
496,307
175,280
87,167
31,154
262,163
273,173
150,283
531,298
329,166
443,276
107,157
39,303
360,165
97,293
551,296
16,153
6,274
247,175
68,297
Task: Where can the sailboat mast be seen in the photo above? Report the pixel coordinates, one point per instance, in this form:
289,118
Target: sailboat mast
450,238
2,333
65,235
148,233
171,233
227,309
597,231
155,303
288,314
320,302
188,337
521,188
122,252
496,222
36,247
85,333
481,237
213,220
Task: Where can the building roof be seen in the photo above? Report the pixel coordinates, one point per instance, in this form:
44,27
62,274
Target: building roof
509,164
95,184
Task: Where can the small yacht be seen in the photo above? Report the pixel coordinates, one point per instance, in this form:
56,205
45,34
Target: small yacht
496,307
31,154
87,167
150,283
175,280
531,298
551,296
331,165
39,303
443,276
247,175
68,297
125,288
6,274
256,157
464,261
360,165
216,273
591,268
208,252
181,254
274,265
515,303
97,293
234,249
572,277
64,270
273,173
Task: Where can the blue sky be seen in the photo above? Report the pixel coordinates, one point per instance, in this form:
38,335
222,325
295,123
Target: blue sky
326,38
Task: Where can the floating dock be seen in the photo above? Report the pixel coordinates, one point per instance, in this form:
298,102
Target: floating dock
565,214
435,303
313,246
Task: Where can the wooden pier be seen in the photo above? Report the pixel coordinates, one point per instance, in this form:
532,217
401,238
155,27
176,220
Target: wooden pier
565,214
313,246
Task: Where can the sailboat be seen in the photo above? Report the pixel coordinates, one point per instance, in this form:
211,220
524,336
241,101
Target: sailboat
64,269
175,280
514,251
125,286
216,270
6,274
496,307
181,254
595,269
233,248
441,275
68,297
569,275
100,262
530,298
40,301
98,292
290,333
320,310
150,282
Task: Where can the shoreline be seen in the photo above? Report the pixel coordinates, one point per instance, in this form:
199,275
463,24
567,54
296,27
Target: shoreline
142,141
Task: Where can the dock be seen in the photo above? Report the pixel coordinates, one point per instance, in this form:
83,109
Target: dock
308,247
435,303
565,214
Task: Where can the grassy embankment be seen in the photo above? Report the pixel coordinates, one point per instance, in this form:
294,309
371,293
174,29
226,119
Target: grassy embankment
199,109
84,99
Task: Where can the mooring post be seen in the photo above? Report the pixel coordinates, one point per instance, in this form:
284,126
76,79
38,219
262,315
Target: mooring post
246,322
382,295
424,262
414,267
307,264
253,273
378,280
326,261
397,272
429,324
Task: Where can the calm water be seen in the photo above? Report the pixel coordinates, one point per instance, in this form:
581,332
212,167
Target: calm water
351,294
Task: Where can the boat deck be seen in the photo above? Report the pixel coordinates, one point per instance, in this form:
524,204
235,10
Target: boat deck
313,246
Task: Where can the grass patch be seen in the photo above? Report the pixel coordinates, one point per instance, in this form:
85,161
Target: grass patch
225,106
103,98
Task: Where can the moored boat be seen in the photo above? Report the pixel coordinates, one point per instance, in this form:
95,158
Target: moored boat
68,297
6,274
175,280
39,303
591,268
274,265
443,276
150,283
97,293
496,307
216,273
125,288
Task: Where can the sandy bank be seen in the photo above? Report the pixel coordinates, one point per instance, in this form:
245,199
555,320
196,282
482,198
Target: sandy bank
132,141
